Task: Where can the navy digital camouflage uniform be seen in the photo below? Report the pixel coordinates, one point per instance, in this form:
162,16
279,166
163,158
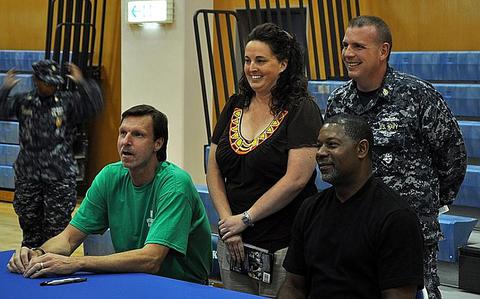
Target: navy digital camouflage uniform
45,169
418,150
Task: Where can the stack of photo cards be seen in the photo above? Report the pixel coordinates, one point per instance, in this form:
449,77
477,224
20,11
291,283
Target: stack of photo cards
258,264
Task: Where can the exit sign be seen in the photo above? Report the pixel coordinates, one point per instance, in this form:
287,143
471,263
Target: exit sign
150,11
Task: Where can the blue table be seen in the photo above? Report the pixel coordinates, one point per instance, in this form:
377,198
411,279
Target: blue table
128,285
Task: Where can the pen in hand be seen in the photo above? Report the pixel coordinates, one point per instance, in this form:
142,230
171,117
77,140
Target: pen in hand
62,281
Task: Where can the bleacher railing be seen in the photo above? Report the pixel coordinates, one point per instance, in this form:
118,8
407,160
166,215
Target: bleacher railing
71,36
227,58
72,28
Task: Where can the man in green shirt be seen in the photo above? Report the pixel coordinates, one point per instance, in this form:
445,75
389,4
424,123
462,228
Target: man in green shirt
156,218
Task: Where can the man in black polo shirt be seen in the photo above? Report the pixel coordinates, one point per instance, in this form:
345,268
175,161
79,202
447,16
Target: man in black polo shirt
357,239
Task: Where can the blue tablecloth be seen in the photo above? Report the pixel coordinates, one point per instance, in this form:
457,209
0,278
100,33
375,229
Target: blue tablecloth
128,285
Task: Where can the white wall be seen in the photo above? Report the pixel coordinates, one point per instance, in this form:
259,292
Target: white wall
159,68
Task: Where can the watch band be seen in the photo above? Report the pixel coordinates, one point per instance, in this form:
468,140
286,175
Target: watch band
247,219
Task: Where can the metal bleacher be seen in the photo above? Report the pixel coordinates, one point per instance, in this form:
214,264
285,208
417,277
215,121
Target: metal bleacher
439,66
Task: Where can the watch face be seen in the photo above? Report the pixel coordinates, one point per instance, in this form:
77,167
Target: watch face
246,219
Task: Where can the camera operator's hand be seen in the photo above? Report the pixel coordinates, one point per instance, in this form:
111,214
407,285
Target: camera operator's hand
75,73
10,79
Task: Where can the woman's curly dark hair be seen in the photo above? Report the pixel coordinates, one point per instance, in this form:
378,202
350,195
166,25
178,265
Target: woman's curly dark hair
291,86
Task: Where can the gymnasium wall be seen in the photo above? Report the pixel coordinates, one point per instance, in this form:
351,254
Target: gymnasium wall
416,24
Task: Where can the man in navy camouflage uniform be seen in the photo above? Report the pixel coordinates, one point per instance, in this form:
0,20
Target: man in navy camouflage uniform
418,147
45,169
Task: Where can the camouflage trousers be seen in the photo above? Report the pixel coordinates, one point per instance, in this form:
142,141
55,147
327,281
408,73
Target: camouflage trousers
44,208
431,280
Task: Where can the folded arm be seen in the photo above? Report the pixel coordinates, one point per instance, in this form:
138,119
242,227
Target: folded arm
57,260
63,244
147,260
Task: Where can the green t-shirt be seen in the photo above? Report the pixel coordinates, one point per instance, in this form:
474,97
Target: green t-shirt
170,203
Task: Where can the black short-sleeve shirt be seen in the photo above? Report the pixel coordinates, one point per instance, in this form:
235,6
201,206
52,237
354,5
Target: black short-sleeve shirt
251,168
356,249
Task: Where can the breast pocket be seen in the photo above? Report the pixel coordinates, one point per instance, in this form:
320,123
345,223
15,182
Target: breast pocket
389,148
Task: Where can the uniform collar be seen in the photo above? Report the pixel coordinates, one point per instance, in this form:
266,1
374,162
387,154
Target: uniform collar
48,100
384,93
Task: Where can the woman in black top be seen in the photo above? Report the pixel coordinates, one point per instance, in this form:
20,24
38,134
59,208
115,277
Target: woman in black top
262,157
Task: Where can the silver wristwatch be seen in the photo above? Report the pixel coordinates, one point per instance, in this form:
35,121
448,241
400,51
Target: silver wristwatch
247,219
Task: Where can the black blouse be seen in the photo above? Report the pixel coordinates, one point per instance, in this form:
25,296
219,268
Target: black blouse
252,167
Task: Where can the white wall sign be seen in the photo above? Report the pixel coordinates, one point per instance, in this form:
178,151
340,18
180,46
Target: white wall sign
150,11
